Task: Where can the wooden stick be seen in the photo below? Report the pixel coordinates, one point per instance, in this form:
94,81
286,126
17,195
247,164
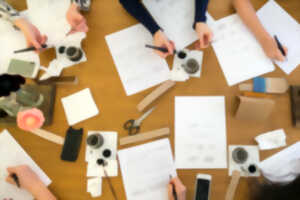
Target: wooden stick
145,136
111,187
236,175
155,94
48,136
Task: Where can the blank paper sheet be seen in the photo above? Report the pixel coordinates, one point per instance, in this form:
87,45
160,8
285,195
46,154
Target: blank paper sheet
139,67
239,54
200,133
146,170
278,22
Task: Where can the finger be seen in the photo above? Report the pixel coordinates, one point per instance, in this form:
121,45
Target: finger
285,50
162,55
205,41
11,170
36,44
10,180
82,27
201,41
197,45
279,56
44,39
169,47
170,192
210,37
173,45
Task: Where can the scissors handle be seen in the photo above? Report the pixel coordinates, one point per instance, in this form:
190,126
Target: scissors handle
129,124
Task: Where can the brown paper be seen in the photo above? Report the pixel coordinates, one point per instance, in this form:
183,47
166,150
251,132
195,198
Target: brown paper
256,109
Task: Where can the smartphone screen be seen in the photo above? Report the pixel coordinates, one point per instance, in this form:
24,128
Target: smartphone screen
202,191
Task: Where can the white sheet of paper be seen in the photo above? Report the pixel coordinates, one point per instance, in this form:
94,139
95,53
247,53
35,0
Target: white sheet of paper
12,40
278,22
200,133
284,166
176,17
94,170
146,170
79,106
139,67
12,154
94,186
239,54
271,140
253,159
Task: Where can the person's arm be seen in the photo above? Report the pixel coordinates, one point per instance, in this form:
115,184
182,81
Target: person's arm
137,10
200,12
29,181
8,13
176,184
247,13
204,33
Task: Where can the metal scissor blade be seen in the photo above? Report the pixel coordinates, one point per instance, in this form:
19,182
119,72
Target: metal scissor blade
144,116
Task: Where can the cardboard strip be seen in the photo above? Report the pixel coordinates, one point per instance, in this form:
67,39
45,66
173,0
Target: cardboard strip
49,136
155,94
236,175
59,80
145,136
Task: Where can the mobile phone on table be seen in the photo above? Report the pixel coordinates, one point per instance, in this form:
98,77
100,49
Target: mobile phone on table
203,182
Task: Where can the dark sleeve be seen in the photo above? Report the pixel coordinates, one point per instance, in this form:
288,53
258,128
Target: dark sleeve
137,10
201,7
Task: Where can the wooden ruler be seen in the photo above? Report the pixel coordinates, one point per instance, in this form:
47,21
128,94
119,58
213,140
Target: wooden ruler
145,136
49,136
236,175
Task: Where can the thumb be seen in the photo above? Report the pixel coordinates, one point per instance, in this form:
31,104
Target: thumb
279,56
169,47
170,192
36,44
10,180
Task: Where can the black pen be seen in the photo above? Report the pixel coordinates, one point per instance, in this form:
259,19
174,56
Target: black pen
16,179
162,49
280,47
44,46
173,189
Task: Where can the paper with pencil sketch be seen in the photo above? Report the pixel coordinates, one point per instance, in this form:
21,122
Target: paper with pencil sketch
200,133
239,54
12,154
278,22
146,170
176,17
139,67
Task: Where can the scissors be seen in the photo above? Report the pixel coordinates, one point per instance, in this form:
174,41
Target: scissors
133,126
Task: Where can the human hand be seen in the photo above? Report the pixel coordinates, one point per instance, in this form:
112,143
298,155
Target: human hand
179,188
205,35
161,40
32,34
76,20
27,178
271,49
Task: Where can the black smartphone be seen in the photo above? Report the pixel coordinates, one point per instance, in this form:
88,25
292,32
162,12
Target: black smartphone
72,145
203,187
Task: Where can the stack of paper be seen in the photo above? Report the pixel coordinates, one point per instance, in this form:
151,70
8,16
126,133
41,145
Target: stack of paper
239,54
278,22
139,67
146,170
200,132
12,154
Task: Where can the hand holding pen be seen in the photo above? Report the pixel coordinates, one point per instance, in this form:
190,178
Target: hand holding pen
176,190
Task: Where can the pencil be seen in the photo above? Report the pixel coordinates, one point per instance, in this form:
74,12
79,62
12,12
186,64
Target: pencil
16,179
30,49
162,49
280,47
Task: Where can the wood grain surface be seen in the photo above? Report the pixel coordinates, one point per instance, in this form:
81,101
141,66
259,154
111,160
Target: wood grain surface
100,75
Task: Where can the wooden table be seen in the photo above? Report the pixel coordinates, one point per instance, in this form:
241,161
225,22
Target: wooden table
100,75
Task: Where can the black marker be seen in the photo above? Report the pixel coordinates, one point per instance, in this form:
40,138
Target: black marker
280,47
173,190
16,179
30,49
162,49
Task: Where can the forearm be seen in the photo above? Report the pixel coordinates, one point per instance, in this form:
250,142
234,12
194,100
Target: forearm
248,15
137,10
7,12
200,12
43,193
